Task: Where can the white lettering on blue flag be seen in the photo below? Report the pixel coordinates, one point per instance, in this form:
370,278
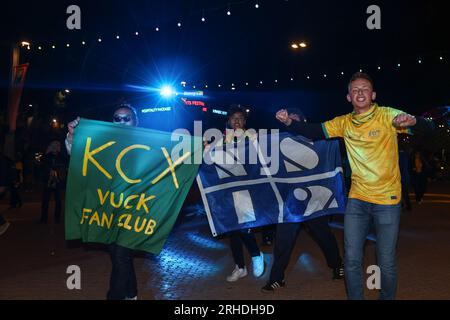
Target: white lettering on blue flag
243,195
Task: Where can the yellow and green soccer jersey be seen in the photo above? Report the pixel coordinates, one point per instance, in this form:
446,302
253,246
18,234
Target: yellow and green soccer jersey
371,142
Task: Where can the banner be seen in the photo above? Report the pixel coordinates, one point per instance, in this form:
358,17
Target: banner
126,185
296,181
18,79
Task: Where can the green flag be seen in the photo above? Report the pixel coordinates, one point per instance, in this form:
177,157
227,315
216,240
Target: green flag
126,185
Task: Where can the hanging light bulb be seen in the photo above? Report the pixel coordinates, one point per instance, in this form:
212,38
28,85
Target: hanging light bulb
229,10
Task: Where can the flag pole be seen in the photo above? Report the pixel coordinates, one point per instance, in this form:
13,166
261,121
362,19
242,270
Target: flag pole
9,143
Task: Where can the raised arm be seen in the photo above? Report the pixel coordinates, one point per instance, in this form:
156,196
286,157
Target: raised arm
312,131
69,138
418,125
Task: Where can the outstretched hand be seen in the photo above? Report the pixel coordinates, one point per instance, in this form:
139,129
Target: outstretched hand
71,127
283,116
404,120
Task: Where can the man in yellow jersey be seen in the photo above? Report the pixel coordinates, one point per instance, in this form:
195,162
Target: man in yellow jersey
370,135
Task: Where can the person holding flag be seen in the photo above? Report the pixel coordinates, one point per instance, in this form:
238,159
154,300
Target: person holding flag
123,283
370,135
286,234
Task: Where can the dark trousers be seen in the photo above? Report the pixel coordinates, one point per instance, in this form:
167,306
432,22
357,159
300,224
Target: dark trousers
246,237
2,220
420,185
405,196
123,283
45,201
15,199
286,236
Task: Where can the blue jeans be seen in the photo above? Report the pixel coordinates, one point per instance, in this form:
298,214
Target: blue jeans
386,219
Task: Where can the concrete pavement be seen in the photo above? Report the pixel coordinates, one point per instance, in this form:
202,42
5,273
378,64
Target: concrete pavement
193,265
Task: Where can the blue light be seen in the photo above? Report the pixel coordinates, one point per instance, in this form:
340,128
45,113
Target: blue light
167,91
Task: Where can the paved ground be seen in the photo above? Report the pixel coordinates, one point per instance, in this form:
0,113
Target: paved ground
193,265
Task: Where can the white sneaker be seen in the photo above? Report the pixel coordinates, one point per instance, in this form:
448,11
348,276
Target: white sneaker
134,298
237,274
258,265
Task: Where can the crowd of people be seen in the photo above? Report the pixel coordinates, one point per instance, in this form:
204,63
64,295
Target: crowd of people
381,172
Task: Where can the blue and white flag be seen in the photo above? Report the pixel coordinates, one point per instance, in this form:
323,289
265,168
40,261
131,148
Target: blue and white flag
296,180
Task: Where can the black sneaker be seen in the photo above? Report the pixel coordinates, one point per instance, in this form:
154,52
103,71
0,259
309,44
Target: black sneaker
271,287
338,273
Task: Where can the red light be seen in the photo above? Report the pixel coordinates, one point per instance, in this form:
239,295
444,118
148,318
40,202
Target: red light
205,109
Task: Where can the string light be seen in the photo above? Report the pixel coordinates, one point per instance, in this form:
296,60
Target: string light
83,43
39,48
99,39
53,47
256,5
379,68
179,24
203,16
117,37
136,33
229,10
156,29
67,45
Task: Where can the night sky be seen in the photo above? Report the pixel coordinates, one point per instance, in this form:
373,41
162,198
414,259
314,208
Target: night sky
250,45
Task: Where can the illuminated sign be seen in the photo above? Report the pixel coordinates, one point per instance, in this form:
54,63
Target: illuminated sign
163,109
219,112
193,102
192,93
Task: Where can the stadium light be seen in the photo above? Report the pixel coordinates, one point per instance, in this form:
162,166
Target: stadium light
167,91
